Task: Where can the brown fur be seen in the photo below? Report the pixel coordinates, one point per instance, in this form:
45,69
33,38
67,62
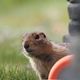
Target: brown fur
42,53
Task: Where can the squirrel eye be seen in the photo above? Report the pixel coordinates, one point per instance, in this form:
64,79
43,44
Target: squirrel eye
37,37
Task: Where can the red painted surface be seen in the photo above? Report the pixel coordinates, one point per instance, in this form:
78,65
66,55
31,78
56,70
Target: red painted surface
58,67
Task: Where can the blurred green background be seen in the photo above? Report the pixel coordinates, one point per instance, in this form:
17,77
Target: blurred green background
20,16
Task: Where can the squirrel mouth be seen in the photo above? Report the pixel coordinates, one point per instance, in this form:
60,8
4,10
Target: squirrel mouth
29,50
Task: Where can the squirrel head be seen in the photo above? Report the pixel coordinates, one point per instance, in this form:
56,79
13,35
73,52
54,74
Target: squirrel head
36,43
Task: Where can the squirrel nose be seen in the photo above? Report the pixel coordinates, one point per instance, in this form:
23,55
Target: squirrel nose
26,45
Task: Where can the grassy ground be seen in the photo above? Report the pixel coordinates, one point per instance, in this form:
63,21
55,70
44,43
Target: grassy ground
16,72
13,65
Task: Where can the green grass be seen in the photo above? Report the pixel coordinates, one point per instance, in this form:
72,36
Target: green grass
13,64
16,72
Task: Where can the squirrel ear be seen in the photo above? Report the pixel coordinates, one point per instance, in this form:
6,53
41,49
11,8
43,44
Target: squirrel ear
43,34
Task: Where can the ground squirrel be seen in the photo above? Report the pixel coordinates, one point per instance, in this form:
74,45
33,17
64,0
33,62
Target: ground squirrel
42,53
